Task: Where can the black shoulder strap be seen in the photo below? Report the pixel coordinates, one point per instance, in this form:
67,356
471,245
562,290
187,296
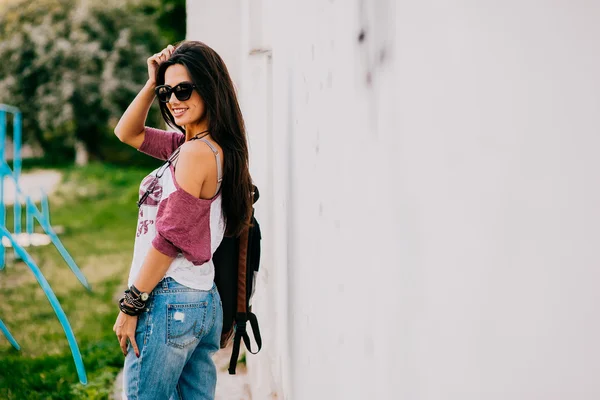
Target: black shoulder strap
254,324
240,333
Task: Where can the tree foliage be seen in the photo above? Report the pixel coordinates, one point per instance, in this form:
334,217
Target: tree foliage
170,16
72,67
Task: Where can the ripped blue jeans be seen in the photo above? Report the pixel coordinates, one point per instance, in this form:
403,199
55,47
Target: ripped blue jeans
176,336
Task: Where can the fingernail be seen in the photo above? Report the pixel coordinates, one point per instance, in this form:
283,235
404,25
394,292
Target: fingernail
138,355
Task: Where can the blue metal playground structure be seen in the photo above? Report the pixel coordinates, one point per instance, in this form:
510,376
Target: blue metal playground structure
32,213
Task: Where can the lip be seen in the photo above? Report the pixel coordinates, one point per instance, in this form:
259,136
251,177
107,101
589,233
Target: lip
179,111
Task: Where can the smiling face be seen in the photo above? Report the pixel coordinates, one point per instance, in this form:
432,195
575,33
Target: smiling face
189,113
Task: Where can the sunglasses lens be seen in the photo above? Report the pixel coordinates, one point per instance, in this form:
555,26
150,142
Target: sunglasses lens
183,91
163,93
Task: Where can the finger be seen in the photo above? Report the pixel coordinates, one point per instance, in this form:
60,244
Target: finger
123,343
134,344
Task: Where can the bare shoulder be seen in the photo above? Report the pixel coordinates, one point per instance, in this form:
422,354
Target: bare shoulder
196,159
195,167
205,152
194,156
195,149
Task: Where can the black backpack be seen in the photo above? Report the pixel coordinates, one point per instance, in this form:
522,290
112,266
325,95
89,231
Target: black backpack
236,263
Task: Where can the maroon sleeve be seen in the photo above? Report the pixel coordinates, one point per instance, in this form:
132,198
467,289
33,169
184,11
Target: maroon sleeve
183,225
160,144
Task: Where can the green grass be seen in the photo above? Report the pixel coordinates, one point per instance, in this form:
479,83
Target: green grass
96,207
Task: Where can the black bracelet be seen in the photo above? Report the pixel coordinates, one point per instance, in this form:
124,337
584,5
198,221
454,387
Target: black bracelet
135,292
135,302
131,303
126,309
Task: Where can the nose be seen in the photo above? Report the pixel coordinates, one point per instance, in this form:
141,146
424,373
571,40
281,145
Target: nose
173,98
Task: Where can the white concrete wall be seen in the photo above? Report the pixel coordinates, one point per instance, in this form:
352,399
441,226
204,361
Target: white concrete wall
218,24
429,198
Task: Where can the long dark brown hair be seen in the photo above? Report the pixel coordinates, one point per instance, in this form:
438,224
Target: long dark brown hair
225,124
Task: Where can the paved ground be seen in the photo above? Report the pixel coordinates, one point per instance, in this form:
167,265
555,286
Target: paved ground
229,387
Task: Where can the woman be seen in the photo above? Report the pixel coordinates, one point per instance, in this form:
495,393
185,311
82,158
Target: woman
171,314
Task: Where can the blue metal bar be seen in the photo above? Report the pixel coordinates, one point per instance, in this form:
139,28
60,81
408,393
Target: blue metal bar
17,168
53,302
45,207
17,145
10,337
10,109
5,169
44,219
28,221
35,213
2,132
31,208
2,205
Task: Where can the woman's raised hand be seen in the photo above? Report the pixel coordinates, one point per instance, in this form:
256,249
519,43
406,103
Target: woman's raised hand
155,60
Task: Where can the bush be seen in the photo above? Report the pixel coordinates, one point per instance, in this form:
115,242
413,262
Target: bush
73,67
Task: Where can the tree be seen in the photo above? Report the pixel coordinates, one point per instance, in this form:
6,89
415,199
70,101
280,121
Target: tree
72,67
170,16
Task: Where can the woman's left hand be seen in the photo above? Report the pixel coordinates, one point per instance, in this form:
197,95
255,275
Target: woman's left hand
125,329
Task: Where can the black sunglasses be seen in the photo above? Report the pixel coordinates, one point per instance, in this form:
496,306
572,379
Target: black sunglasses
159,173
183,91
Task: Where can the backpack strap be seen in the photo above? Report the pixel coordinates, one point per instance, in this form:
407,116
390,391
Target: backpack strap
242,264
254,324
241,333
244,315
240,318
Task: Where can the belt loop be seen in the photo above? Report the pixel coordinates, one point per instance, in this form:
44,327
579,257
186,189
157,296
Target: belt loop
165,284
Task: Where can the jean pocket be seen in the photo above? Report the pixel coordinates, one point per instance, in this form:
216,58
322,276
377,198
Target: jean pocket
185,323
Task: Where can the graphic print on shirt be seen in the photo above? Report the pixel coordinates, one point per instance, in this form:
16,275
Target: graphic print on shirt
152,201
143,227
151,182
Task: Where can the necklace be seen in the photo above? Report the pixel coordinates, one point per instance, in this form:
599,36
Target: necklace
196,136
